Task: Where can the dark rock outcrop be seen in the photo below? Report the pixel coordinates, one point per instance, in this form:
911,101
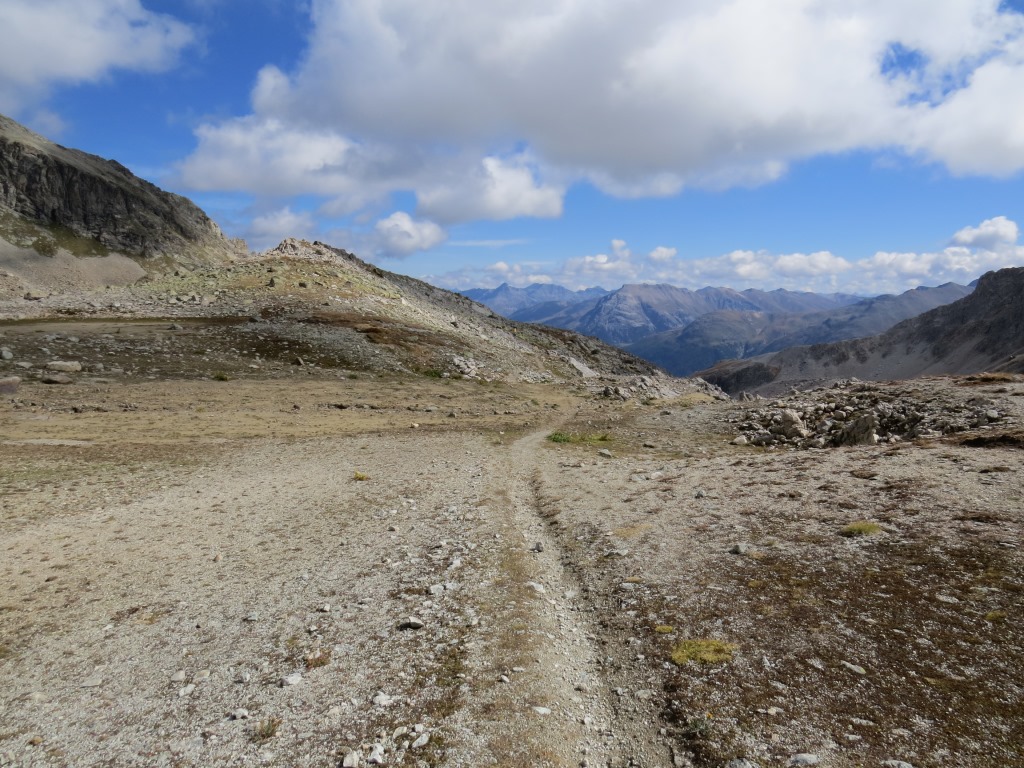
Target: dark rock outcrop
53,186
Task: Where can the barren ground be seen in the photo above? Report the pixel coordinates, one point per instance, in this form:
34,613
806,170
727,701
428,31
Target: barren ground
206,563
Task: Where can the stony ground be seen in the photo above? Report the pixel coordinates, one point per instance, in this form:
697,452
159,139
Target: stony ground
208,563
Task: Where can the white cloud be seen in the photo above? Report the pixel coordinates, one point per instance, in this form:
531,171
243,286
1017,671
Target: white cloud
498,189
269,229
976,250
991,234
49,42
400,235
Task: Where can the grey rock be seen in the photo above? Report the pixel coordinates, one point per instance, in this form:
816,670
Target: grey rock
382,700
857,670
351,759
240,714
422,741
741,762
9,385
178,677
376,755
92,682
542,710
804,758
293,679
186,691
6,354
739,549
65,366
411,623
895,764
56,378
605,453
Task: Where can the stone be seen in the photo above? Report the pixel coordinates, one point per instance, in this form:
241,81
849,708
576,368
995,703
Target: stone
542,710
186,691
65,366
605,453
376,755
804,758
411,623
538,547
538,588
382,699
422,741
9,385
741,762
895,764
178,677
56,378
293,679
739,549
741,440
6,354
857,670
92,682
351,759
240,714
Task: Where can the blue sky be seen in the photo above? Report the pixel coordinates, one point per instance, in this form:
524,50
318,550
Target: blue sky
865,146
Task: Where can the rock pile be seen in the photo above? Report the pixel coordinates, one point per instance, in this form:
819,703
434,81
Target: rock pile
856,413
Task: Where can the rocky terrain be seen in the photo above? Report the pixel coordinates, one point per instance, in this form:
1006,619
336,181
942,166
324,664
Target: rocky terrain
981,332
295,510
291,509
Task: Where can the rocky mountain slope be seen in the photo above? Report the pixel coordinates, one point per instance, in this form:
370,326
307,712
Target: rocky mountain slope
636,311
59,206
984,331
731,334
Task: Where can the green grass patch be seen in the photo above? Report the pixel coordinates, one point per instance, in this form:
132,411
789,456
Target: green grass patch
703,652
860,528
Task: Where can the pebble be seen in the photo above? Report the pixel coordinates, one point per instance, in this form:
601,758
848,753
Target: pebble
293,679
411,623
538,547
65,366
605,453
895,764
422,741
376,755
92,682
856,669
240,714
741,762
252,617
351,760
542,710
739,549
538,588
186,691
6,354
56,378
382,699
178,677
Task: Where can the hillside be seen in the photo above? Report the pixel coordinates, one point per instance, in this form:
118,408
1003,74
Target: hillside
729,334
69,218
984,331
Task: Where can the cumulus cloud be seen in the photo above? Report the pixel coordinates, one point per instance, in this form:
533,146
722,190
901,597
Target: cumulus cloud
50,42
493,110
269,229
400,235
974,250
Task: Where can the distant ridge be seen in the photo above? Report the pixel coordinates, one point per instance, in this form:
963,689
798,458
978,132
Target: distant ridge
983,331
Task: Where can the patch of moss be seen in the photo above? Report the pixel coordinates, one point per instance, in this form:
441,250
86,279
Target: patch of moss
860,528
703,652
576,438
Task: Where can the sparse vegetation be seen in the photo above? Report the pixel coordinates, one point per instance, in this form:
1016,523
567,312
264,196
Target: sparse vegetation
266,729
320,657
703,652
221,376
995,617
860,528
360,476
664,629
578,438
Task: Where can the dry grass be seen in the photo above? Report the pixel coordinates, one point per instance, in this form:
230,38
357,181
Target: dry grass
860,528
703,652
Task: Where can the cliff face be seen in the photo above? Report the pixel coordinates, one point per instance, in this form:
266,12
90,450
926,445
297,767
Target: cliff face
102,200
